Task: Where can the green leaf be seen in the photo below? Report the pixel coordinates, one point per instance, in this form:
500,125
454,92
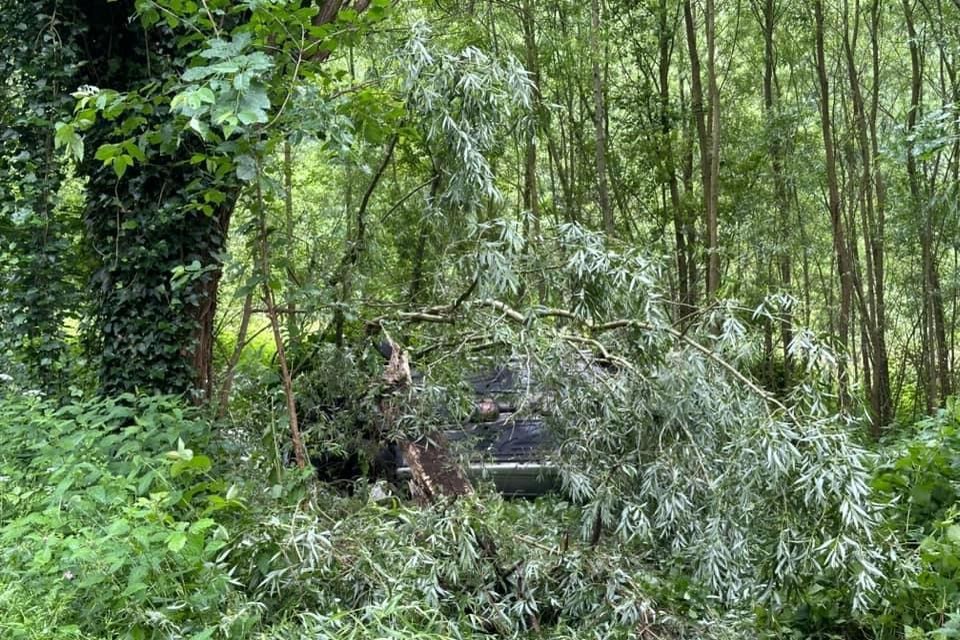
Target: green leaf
200,127
250,117
118,528
202,525
197,464
66,136
953,533
134,587
63,135
206,96
106,152
224,68
214,195
246,168
144,485
196,73
177,541
121,163
98,493
134,151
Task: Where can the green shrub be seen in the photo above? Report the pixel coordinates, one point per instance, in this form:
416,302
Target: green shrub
921,478
108,522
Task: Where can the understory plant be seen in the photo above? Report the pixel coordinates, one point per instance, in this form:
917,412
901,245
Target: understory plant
919,473
109,522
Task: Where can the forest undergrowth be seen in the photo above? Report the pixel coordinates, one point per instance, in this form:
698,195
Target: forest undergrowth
138,517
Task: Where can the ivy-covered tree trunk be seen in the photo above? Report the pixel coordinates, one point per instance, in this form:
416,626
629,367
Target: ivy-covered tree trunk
158,251
159,223
40,260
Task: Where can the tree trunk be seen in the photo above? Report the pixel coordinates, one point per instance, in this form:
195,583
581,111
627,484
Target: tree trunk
873,314
777,161
531,195
686,179
680,222
435,473
938,375
704,142
713,133
206,312
600,122
833,203
286,377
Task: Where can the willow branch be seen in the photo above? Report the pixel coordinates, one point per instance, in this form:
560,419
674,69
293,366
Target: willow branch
441,314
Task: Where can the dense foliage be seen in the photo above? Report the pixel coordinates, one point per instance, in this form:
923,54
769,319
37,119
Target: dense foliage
135,534
246,248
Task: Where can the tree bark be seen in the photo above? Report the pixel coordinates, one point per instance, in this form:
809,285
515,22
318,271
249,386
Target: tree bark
938,375
777,154
873,313
680,222
705,144
713,133
834,205
435,473
600,122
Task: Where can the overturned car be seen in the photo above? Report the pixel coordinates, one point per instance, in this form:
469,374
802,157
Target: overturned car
488,426
500,442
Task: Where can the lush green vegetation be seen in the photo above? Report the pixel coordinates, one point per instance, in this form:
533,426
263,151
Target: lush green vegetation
712,239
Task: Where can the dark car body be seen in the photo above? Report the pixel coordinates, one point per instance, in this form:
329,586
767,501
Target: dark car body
505,440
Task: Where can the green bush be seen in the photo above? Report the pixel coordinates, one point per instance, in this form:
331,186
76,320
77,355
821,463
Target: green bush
921,479
108,521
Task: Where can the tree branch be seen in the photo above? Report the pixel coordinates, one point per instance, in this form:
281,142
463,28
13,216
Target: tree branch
442,314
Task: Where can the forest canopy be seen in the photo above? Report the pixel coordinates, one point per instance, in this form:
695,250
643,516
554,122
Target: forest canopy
270,270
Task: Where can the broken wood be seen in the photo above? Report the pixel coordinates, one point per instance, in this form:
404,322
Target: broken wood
434,472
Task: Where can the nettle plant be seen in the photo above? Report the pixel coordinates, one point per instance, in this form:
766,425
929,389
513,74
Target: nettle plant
111,525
